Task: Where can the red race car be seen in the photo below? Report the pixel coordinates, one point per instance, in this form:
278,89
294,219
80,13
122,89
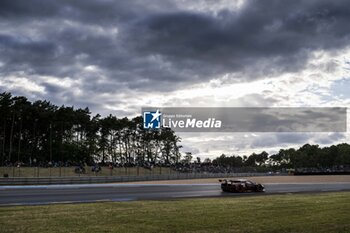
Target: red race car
240,186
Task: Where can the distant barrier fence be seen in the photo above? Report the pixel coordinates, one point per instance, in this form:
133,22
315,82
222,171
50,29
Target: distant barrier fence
87,171
110,179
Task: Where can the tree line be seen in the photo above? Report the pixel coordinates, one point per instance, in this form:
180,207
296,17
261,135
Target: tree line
41,132
307,156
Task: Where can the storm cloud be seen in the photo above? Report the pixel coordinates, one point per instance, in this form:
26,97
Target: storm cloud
162,45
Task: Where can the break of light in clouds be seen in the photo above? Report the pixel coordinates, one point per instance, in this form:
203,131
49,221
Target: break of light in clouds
117,56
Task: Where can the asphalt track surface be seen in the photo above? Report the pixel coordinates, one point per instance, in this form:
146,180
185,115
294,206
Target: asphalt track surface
52,194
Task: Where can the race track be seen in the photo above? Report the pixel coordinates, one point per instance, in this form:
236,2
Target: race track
49,194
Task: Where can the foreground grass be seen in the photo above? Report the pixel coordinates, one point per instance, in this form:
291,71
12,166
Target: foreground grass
328,212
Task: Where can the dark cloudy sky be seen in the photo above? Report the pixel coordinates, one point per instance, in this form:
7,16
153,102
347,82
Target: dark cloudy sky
117,56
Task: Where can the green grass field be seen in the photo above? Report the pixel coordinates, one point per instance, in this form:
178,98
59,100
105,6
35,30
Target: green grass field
316,213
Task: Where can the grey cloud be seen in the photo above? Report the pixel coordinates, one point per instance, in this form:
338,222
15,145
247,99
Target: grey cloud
281,139
331,139
292,138
160,45
245,144
261,38
285,140
88,11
